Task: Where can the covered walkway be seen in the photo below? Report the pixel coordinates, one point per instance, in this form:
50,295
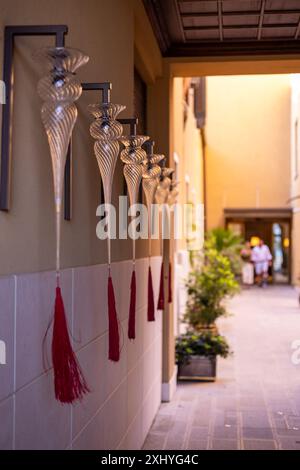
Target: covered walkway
255,403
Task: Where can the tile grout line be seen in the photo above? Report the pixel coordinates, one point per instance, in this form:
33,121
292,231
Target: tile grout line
273,428
50,370
240,415
188,431
135,416
113,392
15,363
86,266
211,425
72,330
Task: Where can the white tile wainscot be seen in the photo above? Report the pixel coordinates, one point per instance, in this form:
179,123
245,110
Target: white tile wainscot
124,397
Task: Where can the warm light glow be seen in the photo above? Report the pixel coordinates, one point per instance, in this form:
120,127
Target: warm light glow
254,241
286,242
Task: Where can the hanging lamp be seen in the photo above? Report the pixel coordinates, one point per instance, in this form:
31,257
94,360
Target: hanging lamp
59,89
107,130
151,175
133,157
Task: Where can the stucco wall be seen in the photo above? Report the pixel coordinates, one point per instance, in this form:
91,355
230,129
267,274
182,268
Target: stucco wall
248,143
105,31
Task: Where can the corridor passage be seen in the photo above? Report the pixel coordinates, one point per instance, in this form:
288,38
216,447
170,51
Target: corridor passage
255,402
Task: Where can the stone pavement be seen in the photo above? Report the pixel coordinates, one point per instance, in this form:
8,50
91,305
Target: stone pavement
255,402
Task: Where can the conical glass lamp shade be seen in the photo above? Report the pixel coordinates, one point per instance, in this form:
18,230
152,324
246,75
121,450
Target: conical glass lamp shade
106,130
133,157
151,175
59,90
163,187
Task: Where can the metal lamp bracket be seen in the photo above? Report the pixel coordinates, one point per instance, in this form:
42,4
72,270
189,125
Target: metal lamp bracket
132,122
10,32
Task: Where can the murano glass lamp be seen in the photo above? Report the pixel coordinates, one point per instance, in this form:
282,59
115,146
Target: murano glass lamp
106,130
161,198
59,90
151,176
171,200
133,157
173,192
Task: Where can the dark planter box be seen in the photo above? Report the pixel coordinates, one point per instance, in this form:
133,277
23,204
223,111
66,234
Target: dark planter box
199,368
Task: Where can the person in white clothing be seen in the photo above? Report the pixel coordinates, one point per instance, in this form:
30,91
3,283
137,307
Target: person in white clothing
247,266
262,258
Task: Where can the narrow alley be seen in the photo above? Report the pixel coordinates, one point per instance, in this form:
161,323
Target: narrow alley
255,402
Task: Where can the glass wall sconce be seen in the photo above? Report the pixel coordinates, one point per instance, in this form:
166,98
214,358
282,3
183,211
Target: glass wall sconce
133,157
10,33
161,197
151,176
59,90
106,130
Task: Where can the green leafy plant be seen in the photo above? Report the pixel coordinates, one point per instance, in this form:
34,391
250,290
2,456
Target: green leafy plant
205,344
207,287
228,244
209,283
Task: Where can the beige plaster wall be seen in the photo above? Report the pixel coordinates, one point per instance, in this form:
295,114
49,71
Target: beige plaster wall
105,31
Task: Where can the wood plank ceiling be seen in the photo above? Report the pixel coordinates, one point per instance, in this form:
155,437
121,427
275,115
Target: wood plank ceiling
186,28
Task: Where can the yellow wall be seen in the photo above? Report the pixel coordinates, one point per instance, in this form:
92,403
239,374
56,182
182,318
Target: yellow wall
248,143
187,144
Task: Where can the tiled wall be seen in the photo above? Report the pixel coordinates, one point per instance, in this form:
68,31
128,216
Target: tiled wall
124,396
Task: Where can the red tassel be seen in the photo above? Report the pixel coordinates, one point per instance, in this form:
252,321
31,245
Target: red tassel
161,297
131,320
151,316
170,296
113,325
69,382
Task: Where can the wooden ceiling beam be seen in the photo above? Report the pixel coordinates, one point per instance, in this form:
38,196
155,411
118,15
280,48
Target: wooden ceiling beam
239,13
220,19
261,18
297,30
234,48
240,26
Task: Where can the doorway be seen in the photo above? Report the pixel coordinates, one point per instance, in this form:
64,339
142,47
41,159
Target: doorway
274,228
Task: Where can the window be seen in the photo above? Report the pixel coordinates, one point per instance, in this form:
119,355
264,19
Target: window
140,111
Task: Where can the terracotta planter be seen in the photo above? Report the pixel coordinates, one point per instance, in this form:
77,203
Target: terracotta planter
199,368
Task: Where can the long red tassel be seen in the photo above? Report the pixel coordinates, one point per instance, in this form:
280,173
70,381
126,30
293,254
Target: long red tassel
170,296
151,316
113,325
131,320
161,297
69,382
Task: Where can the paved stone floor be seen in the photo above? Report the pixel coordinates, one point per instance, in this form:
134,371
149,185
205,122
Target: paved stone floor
255,402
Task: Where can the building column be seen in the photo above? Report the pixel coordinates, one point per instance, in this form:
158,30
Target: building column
160,96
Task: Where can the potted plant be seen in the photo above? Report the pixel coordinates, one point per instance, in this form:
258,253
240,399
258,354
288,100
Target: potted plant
207,287
196,354
227,243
